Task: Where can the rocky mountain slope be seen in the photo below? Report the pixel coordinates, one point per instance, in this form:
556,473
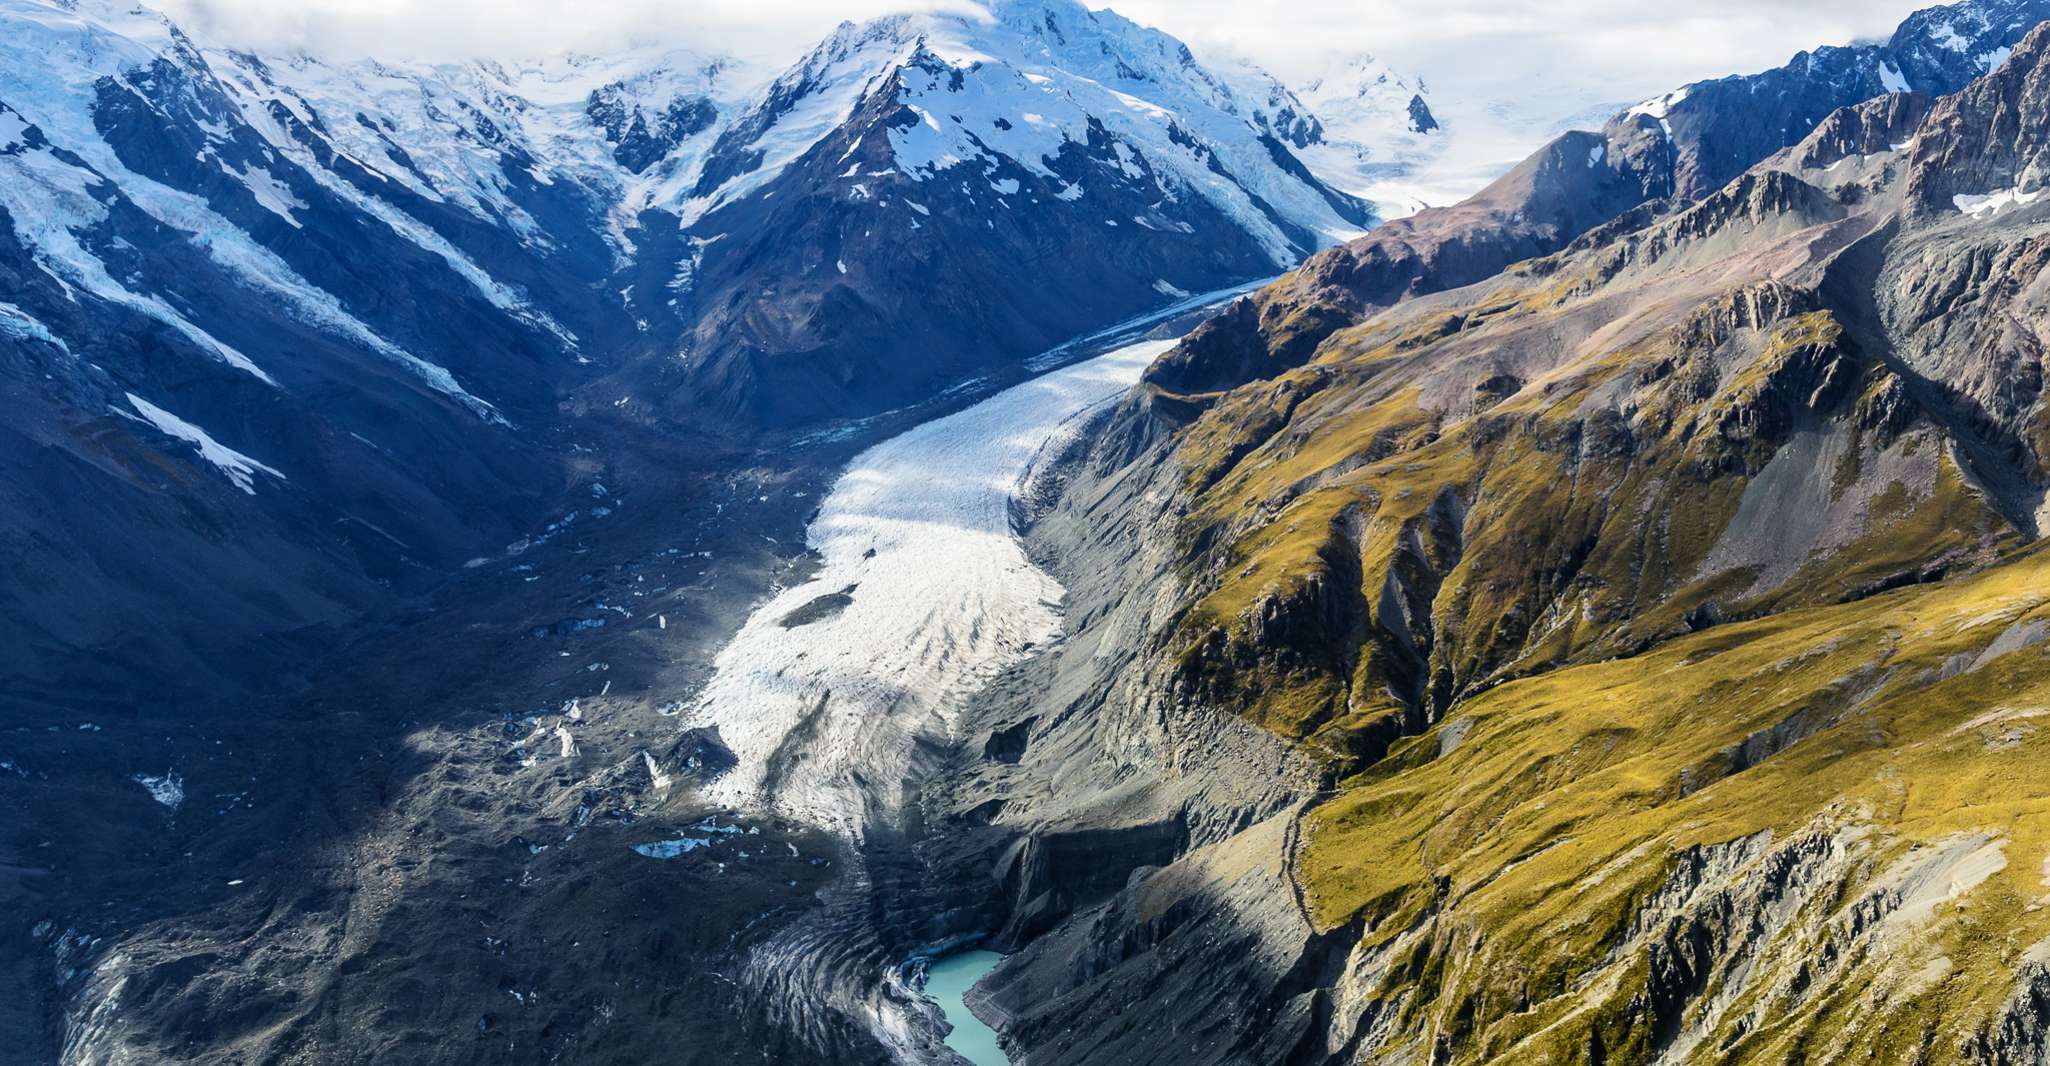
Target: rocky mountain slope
1669,151
1720,127
291,340
362,418
1637,651
912,243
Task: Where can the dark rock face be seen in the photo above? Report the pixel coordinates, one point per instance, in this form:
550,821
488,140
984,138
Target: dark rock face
1420,118
1298,128
640,140
1995,135
278,337
1720,127
1871,128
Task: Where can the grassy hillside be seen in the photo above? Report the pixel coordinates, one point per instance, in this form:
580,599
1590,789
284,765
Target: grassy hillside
1668,616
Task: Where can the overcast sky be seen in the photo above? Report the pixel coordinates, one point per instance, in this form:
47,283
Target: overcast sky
1622,48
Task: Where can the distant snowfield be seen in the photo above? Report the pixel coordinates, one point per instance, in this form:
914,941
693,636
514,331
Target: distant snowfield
934,596
1481,141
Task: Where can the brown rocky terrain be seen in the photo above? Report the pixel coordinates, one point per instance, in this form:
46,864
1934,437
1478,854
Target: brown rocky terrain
1639,647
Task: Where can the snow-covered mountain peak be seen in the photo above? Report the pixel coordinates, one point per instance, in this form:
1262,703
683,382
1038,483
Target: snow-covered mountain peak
80,39
690,131
1937,45
1015,89
1379,129
1363,100
1355,75
651,73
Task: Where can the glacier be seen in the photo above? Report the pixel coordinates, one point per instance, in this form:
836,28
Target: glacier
825,714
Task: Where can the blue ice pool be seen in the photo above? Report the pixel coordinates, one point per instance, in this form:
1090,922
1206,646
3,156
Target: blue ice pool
946,981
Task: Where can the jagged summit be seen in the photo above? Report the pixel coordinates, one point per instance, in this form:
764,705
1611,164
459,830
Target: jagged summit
1991,147
1379,129
1035,77
1720,126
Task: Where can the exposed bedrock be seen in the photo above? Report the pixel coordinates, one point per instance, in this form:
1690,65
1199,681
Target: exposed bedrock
1639,638
1099,822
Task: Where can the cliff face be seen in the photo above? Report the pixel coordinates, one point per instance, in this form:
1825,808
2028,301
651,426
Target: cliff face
309,336
1659,156
1572,185
1653,631
1720,127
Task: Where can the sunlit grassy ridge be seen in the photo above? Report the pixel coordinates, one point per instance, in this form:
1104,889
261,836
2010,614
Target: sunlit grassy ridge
1678,682
1418,550
1535,824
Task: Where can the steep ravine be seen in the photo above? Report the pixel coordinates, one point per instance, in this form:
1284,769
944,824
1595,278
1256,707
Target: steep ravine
1131,849
1713,533
844,695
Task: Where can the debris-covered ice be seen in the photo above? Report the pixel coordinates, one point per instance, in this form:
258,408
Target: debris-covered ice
706,832
671,849
921,524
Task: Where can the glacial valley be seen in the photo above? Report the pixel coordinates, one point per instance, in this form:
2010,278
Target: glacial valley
1010,538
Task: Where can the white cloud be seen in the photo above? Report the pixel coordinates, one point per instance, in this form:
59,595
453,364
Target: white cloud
1619,48
1613,49
462,29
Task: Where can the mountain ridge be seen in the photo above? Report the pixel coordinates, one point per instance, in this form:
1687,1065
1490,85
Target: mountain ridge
1675,148
1598,621
1641,632
584,245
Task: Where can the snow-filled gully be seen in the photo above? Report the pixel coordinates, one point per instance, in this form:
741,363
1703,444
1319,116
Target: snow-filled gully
923,594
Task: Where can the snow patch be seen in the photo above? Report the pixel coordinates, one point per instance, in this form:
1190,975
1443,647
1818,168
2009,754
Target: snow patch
239,468
12,130
273,195
19,324
167,789
1988,204
1659,107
